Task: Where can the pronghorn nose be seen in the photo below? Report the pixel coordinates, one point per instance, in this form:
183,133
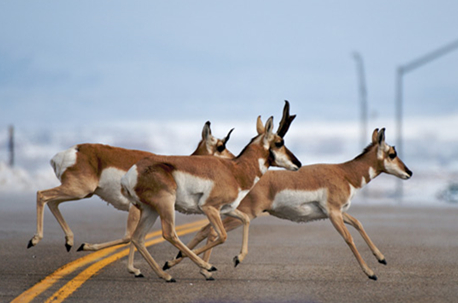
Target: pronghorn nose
409,172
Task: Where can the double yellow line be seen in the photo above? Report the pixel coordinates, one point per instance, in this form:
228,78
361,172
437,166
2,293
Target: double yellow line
100,259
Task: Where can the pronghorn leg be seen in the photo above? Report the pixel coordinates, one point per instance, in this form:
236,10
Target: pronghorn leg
246,226
167,214
213,216
359,227
54,197
199,237
147,219
230,223
208,232
132,221
337,220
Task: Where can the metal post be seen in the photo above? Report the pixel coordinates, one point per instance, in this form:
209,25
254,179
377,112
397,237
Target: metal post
362,98
11,145
401,71
399,139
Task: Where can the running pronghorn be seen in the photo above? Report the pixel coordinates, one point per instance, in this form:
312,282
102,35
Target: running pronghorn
314,192
88,169
194,185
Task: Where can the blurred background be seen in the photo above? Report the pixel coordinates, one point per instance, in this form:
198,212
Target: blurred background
148,74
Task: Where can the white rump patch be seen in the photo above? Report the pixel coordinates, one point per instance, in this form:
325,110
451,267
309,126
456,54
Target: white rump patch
300,205
109,188
192,192
63,160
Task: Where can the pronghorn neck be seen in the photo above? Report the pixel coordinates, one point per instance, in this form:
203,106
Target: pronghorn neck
253,161
362,169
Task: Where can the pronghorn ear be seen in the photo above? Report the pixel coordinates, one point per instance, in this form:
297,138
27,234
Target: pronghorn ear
269,126
206,131
381,136
259,126
374,136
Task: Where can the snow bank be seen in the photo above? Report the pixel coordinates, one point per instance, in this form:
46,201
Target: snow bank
430,150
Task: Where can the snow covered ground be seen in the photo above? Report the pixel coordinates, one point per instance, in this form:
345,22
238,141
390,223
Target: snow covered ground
430,151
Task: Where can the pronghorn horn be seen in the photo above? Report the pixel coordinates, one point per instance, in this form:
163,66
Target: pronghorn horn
285,120
227,137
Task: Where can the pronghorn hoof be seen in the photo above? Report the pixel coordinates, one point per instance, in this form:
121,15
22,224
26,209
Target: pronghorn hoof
382,261
140,275
30,244
166,266
179,256
68,247
236,261
210,279
374,277
171,280
81,248
212,269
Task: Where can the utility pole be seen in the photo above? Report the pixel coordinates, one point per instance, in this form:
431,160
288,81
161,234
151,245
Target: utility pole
362,98
400,72
11,145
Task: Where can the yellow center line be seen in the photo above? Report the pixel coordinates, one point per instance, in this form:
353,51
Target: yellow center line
67,269
92,270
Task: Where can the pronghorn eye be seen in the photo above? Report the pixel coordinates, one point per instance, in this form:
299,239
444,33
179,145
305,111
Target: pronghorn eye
220,148
279,144
392,156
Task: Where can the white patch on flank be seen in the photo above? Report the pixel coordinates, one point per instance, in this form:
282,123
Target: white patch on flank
128,182
262,166
300,205
109,188
192,192
63,160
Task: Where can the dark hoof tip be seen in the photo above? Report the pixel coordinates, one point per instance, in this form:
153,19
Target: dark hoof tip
374,277
166,266
139,276
382,261
68,247
30,244
81,248
171,281
212,269
210,279
236,261
179,256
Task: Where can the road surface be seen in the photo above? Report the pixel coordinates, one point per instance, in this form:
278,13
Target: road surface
287,262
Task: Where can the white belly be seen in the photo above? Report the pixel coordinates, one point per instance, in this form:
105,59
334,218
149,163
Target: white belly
192,192
299,205
109,188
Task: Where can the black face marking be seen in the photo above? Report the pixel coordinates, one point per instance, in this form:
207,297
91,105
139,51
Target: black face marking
279,144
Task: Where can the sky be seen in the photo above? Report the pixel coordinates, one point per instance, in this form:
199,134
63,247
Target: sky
70,63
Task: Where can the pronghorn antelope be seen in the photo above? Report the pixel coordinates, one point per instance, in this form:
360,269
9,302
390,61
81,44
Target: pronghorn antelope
88,169
314,192
193,185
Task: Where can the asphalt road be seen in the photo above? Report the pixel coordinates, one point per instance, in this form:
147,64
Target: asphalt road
287,262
